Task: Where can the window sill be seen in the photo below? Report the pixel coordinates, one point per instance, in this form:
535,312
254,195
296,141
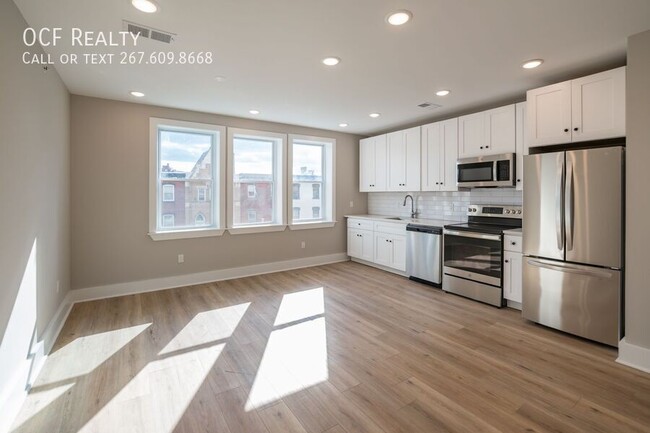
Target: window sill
256,229
185,234
312,225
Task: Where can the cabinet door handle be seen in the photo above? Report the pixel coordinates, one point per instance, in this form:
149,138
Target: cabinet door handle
506,261
566,129
575,129
481,147
518,180
487,147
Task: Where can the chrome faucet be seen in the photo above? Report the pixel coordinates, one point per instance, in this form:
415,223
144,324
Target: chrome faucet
414,213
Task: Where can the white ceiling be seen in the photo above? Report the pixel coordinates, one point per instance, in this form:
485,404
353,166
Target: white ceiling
270,52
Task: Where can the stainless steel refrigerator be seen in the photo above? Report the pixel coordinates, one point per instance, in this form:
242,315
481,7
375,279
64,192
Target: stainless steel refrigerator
573,241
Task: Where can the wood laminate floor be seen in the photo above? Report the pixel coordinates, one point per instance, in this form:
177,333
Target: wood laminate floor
342,348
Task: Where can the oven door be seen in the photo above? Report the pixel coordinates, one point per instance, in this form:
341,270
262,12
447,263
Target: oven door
473,256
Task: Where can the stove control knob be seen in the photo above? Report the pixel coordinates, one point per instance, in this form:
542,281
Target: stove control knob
507,211
519,211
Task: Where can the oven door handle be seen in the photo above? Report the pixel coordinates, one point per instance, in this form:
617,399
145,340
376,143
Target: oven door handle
472,235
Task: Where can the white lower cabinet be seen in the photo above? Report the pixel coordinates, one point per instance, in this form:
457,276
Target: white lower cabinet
361,244
390,250
512,269
378,242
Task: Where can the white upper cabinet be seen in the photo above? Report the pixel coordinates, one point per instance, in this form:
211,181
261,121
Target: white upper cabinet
487,133
373,164
549,114
404,160
588,108
439,155
598,106
521,146
471,135
500,130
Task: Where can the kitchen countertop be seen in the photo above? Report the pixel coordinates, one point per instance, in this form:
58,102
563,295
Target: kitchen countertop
405,220
513,232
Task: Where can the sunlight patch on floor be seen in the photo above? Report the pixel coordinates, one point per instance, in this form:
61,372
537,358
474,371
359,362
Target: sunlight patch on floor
207,327
295,358
38,400
85,354
300,305
156,398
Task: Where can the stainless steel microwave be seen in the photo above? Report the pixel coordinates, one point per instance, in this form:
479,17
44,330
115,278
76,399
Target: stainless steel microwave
490,171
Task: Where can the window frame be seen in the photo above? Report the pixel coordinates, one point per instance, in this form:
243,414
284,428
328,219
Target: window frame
328,188
218,179
280,177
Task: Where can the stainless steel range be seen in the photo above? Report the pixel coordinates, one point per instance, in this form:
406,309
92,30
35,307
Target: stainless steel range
473,252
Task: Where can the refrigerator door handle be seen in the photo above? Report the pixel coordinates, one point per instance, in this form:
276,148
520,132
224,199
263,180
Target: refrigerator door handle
599,273
568,206
559,199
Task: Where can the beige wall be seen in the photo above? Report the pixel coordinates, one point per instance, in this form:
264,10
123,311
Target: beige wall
637,284
34,194
109,205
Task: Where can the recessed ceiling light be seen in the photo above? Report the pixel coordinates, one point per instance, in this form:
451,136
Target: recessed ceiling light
374,115
331,61
343,125
399,18
254,111
530,64
443,92
137,94
147,6
220,78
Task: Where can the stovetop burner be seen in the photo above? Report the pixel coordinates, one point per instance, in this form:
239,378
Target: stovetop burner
492,219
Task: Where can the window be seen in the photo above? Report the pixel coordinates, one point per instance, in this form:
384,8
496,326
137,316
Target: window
187,161
296,212
256,169
312,163
168,220
296,191
168,192
201,193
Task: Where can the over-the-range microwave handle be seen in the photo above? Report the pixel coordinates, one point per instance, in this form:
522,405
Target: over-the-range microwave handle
600,273
472,235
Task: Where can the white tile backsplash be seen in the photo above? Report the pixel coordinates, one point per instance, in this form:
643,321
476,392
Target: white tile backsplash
440,205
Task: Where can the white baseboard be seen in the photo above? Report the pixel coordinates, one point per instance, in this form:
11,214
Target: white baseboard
143,286
633,356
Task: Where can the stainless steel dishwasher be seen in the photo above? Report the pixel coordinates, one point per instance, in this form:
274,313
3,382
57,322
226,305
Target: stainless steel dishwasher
424,254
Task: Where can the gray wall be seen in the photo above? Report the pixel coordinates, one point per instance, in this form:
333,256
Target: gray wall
637,285
34,190
109,205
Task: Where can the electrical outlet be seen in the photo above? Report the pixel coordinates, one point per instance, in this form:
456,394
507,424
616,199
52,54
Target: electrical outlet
302,244
351,203
181,258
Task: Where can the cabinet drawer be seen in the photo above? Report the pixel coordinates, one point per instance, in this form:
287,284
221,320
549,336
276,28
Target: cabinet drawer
390,228
512,243
360,224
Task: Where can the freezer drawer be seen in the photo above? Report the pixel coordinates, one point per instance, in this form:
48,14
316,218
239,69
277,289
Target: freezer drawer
581,300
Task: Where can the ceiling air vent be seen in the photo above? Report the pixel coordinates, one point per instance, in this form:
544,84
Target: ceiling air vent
148,32
429,105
